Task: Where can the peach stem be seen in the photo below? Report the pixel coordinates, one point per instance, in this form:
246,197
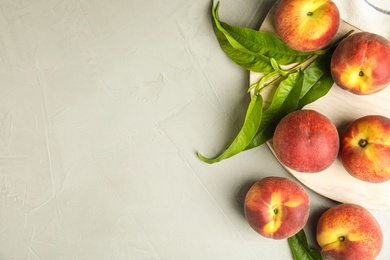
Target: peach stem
363,143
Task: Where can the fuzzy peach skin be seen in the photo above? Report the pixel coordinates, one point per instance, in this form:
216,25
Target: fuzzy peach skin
349,232
365,148
306,141
277,207
306,25
361,63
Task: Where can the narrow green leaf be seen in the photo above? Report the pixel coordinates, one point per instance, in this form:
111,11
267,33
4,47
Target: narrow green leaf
287,91
266,78
314,83
284,101
318,90
312,75
317,81
277,67
301,249
252,49
296,87
238,53
251,124
266,44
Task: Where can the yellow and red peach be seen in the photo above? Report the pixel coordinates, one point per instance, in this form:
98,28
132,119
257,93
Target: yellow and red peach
361,63
365,148
306,25
349,232
277,207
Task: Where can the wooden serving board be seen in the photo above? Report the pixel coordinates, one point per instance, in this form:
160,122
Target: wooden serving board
342,108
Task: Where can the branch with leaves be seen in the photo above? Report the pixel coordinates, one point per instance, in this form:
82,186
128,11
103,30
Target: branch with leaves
307,80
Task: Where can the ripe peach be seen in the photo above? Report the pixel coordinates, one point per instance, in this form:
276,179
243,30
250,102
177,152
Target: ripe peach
365,148
349,232
306,141
277,207
361,63
306,25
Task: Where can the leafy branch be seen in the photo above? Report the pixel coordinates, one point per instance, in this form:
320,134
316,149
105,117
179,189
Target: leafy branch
306,79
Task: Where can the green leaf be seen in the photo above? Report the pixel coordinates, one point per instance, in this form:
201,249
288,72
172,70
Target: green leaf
251,124
318,90
312,75
266,44
277,67
306,81
238,53
314,83
284,101
252,49
317,81
267,77
300,248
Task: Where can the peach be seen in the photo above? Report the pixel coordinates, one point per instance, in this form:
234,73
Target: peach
361,63
277,207
349,232
365,148
306,25
306,141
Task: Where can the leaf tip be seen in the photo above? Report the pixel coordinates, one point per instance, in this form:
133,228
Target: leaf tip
203,158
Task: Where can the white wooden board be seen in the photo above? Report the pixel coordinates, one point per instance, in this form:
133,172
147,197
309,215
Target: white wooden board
341,107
